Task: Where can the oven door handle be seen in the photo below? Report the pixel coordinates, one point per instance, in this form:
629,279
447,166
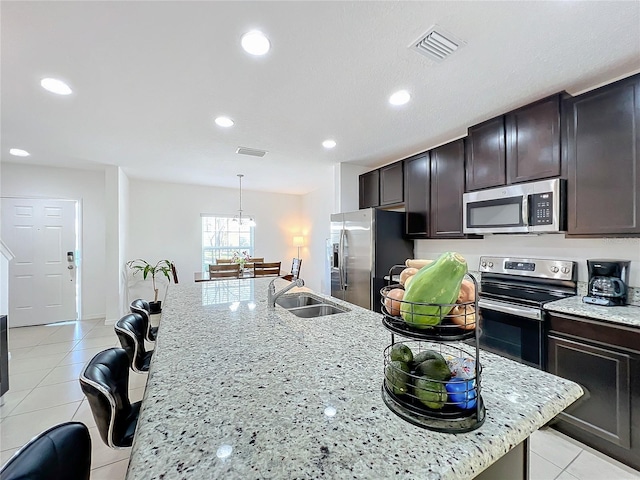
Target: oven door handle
521,311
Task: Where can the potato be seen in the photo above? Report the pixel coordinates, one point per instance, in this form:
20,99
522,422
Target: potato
408,280
417,262
406,273
463,316
467,292
392,301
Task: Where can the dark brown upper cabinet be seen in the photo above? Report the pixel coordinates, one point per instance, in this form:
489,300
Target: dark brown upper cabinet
533,141
521,146
370,189
416,195
602,149
447,187
486,155
392,184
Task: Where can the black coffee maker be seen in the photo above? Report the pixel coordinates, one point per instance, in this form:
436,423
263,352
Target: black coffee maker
608,281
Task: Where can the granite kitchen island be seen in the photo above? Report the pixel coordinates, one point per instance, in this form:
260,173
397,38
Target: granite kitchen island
236,390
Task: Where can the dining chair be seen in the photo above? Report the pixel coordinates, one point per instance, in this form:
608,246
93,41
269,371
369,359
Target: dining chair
61,452
105,383
130,330
141,307
230,270
270,269
295,270
249,264
223,261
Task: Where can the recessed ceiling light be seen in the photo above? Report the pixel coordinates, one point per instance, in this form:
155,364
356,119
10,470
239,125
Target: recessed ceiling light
329,143
400,97
18,152
255,43
224,122
54,85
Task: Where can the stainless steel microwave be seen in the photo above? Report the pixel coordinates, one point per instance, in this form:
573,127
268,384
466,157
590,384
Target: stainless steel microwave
534,207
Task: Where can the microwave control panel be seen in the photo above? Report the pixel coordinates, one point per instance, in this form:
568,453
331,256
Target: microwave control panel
541,206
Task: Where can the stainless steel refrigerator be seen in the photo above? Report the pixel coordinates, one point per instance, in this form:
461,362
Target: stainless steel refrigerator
364,245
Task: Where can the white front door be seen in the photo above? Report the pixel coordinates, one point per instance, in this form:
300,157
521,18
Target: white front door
42,277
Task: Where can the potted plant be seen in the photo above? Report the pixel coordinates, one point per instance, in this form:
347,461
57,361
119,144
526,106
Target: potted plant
163,266
241,258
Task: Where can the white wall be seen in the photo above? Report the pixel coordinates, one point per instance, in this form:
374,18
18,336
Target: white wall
317,209
6,256
123,238
347,187
116,220
86,186
553,246
165,223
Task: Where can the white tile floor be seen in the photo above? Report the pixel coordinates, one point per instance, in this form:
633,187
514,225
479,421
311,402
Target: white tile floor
44,390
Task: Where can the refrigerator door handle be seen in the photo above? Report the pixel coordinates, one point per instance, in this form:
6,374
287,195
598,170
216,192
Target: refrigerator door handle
341,259
344,260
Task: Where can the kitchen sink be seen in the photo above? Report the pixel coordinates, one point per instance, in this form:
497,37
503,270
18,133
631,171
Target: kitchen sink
299,300
319,310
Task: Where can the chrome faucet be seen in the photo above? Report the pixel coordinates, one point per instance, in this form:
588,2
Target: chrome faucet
273,295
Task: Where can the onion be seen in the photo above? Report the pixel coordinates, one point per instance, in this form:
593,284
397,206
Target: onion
392,301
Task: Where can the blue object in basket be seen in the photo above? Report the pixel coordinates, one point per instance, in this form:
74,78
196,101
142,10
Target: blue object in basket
461,393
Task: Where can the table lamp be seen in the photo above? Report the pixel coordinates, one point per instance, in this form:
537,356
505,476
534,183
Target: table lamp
298,242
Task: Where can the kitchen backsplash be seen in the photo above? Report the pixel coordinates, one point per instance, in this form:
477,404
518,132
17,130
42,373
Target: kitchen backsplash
633,294
549,246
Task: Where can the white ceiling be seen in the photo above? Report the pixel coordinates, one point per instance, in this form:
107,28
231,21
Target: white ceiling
149,78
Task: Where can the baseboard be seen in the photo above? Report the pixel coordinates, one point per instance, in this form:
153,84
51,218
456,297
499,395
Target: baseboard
92,317
111,321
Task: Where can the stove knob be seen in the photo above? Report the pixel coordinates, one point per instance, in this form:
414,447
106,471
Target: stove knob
490,264
554,269
565,270
483,264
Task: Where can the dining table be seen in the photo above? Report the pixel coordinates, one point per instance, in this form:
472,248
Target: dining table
205,277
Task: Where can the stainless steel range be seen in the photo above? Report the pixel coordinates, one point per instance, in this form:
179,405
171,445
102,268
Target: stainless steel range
513,292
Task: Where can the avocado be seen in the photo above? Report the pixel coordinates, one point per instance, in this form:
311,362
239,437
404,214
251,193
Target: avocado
426,355
397,377
434,369
401,352
430,393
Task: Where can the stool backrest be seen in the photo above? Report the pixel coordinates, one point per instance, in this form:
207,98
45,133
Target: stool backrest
105,383
131,330
142,308
62,451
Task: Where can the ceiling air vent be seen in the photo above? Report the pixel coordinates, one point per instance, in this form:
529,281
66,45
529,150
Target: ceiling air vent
251,151
436,44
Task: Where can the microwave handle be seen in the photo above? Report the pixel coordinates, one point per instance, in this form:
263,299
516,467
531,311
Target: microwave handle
525,210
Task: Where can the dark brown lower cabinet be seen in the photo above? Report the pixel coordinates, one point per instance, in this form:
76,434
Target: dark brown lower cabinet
600,357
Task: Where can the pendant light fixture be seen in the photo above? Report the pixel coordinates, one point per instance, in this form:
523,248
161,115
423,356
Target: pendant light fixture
248,221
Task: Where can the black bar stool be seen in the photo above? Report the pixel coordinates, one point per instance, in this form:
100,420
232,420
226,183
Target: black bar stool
105,383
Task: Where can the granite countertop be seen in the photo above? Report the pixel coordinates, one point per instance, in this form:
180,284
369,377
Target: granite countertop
627,315
236,390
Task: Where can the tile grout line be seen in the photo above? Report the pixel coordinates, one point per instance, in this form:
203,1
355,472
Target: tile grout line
570,463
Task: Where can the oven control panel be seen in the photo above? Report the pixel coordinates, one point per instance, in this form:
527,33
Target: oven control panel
530,267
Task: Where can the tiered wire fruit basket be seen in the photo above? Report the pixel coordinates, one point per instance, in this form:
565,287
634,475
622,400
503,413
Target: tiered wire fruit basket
419,391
